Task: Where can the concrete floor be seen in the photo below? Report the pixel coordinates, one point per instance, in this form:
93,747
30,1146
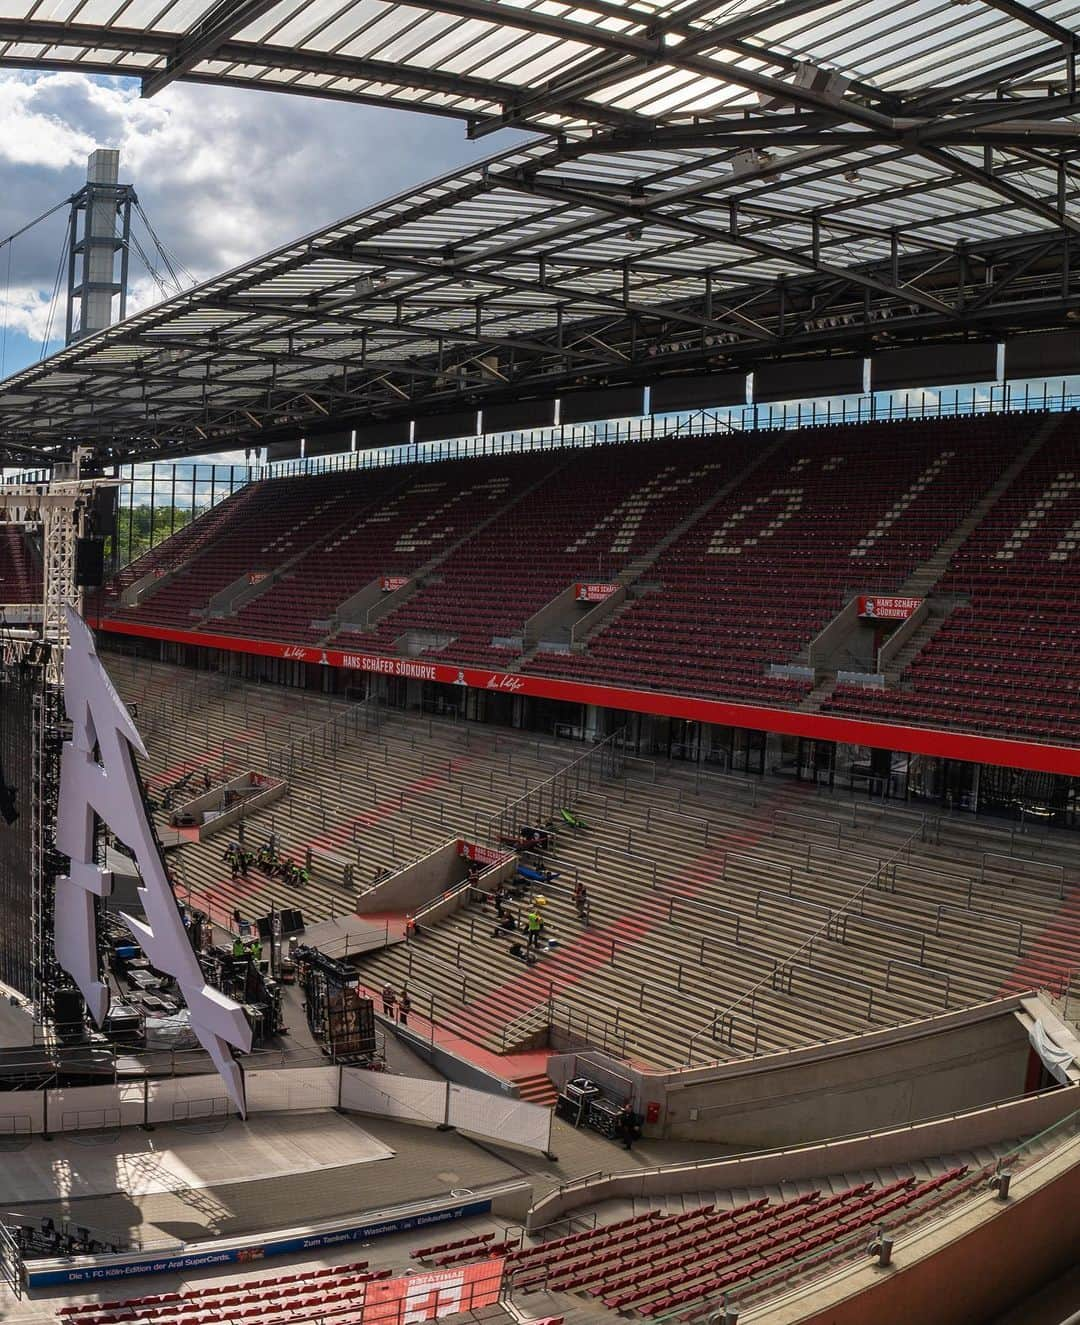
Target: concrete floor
339,1178
74,1167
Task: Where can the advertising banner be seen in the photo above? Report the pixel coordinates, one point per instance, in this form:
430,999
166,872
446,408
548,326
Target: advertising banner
421,1297
593,593
967,746
880,607
388,583
105,1268
481,854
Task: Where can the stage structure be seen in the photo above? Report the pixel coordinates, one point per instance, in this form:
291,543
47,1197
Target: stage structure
33,728
66,742
100,782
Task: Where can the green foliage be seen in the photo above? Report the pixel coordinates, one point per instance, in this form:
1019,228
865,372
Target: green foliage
141,527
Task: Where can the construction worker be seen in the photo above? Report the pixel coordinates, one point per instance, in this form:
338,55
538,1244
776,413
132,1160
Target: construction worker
533,926
238,947
389,999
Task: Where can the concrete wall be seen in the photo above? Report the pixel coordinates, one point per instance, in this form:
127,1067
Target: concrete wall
966,1271
871,1086
901,635
273,790
413,886
827,643
944,1064
981,1127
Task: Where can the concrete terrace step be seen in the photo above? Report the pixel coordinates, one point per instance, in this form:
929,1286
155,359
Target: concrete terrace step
537,1089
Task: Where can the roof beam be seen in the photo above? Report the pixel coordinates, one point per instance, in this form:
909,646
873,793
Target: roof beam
602,70
201,42
991,180
287,58
652,51
994,78
1032,18
654,212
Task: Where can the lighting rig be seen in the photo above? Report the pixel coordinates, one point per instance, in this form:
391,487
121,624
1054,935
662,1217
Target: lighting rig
63,509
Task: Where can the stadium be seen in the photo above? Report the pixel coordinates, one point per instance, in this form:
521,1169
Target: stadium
540,720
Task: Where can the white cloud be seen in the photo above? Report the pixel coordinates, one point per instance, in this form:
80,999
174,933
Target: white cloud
32,136
27,312
224,174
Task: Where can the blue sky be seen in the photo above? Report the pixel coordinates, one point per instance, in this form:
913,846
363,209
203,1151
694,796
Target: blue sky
224,175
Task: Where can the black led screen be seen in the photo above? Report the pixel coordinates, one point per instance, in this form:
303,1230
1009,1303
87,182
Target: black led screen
16,778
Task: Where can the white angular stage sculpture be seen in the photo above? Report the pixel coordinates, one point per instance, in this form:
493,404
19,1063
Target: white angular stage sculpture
111,790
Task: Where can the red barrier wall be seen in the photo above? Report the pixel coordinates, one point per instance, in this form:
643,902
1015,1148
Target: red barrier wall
816,726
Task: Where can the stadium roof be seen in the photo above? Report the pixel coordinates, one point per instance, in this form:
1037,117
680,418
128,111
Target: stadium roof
719,183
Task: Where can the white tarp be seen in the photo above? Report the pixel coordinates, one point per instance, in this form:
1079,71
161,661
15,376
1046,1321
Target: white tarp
83,1108
411,1099
496,1117
289,1090
515,1122
180,1098
1055,1059
280,1090
21,1112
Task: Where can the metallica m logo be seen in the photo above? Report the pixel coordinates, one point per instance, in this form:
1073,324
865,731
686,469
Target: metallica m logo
110,789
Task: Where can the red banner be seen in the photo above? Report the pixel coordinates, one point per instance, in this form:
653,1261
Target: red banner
481,854
388,583
789,722
420,1297
879,607
257,576
593,593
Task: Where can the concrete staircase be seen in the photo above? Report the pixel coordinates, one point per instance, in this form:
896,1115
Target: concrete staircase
240,597
537,1089
429,567
713,930
376,799
917,643
822,691
921,582
628,602
923,579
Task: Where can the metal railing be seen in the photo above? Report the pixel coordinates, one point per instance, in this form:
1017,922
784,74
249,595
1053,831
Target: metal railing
327,737
853,1245
737,1011
542,802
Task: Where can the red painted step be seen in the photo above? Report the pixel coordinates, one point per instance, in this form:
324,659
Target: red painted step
537,1089
1054,954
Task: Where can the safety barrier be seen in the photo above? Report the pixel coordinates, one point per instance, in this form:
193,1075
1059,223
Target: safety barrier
178,1257
504,1119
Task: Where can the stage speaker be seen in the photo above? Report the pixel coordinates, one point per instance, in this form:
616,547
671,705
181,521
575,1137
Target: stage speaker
292,922
104,510
265,927
89,563
69,1014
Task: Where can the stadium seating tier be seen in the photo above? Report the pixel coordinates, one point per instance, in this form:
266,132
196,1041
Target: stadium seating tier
736,552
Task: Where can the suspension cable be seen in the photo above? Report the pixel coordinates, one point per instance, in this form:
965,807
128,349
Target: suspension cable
56,290
170,260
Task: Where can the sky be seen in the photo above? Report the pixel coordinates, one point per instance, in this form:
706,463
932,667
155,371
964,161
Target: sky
223,174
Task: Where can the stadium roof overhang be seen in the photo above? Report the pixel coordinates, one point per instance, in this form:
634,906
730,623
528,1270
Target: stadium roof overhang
719,183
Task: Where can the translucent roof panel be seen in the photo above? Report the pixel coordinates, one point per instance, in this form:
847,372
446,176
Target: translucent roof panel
553,65
715,182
